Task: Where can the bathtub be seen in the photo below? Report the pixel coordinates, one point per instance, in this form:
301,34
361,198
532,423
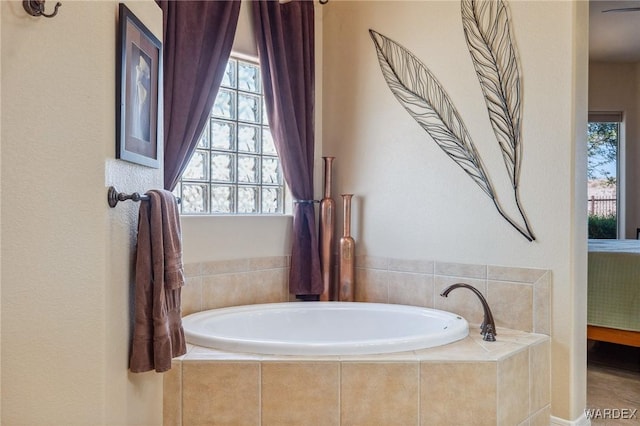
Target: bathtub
323,328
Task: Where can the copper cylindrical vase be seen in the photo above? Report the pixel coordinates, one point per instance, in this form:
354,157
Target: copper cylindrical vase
347,255
327,233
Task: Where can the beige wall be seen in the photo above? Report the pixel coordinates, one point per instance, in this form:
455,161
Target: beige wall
413,202
616,87
229,237
66,256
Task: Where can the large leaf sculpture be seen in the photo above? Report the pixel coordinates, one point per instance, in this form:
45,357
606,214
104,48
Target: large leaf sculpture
486,30
420,93
422,96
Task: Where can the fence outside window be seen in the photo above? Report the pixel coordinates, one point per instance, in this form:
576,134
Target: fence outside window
602,206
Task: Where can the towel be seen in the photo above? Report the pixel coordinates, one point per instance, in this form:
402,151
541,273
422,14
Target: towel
158,335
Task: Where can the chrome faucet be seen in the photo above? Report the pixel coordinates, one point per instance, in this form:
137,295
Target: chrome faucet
488,327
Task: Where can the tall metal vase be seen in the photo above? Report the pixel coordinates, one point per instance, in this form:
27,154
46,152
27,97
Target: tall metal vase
347,255
327,233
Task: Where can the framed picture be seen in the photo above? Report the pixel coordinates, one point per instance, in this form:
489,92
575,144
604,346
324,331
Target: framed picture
139,132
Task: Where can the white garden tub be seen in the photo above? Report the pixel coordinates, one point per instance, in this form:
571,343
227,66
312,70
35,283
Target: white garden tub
323,328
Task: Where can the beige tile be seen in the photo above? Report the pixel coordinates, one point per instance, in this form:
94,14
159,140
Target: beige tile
372,262
379,393
216,267
500,349
192,269
513,389
458,393
508,342
411,289
511,304
221,393
540,374
268,286
542,304
220,291
541,418
273,262
460,270
300,393
299,358
523,275
461,300
172,395
463,350
191,296
409,265
405,356
371,286
199,353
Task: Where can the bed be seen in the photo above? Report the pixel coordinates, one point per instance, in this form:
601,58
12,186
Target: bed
613,311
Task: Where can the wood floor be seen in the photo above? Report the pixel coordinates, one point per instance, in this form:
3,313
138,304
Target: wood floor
613,382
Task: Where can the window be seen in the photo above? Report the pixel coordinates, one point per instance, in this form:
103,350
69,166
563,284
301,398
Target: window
235,168
603,183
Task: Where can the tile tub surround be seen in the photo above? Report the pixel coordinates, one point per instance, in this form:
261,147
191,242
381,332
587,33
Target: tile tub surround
218,284
467,382
520,298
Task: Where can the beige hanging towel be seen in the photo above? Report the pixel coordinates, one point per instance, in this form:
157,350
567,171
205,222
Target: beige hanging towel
158,335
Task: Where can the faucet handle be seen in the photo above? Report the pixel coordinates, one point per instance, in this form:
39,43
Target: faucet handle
489,333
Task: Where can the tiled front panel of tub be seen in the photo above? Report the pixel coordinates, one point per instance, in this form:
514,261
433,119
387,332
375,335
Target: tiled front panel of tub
470,382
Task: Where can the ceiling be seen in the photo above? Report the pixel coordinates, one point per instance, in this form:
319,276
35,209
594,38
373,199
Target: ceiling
614,36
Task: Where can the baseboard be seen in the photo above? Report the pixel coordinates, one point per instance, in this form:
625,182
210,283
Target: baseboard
580,421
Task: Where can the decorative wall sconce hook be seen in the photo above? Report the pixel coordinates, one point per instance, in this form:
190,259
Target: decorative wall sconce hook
36,8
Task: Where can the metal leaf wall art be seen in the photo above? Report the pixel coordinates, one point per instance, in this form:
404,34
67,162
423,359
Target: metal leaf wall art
494,57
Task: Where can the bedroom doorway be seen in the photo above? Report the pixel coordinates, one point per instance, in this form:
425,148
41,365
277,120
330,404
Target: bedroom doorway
613,369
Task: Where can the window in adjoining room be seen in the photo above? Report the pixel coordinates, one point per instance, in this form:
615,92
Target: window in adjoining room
235,168
603,168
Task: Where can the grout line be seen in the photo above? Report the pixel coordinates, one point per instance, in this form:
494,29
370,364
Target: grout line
529,369
497,401
420,398
181,393
260,393
339,392
534,308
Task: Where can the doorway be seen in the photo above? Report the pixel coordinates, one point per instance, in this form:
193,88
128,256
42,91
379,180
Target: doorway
614,63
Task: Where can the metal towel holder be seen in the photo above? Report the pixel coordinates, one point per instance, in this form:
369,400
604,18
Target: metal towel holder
113,197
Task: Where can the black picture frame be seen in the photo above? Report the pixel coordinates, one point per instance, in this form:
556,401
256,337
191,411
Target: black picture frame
139,115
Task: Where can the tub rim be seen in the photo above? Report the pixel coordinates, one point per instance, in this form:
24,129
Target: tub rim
457,329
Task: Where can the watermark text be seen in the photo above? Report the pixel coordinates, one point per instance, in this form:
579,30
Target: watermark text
611,413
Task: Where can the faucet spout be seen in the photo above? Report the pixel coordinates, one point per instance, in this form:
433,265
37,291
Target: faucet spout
488,327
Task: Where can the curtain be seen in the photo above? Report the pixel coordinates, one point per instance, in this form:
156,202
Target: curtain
285,39
198,36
